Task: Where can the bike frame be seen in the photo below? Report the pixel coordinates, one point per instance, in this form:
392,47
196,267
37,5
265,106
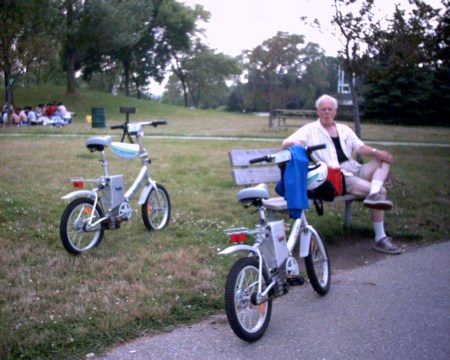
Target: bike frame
270,268
142,177
301,231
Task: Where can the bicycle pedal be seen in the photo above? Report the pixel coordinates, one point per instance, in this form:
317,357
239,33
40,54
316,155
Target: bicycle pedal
295,280
113,224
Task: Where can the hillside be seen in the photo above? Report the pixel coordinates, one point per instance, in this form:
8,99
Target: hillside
191,122
182,121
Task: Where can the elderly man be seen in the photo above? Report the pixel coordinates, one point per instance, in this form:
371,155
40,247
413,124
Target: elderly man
342,144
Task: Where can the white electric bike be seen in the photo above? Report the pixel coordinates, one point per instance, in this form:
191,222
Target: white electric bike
270,267
105,207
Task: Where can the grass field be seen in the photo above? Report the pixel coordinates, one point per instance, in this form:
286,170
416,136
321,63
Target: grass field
136,282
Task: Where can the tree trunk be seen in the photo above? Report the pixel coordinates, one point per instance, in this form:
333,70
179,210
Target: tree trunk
356,117
195,96
180,75
6,62
182,79
70,55
7,76
126,70
71,84
270,105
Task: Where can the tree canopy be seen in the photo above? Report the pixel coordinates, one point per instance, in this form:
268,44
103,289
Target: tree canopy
401,68
406,80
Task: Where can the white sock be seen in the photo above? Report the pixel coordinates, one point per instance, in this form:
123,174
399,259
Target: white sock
376,186
378,227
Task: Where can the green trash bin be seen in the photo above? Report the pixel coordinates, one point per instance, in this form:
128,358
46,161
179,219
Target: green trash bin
98,118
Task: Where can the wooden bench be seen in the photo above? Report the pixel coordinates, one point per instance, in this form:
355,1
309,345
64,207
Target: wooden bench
245,174
283,114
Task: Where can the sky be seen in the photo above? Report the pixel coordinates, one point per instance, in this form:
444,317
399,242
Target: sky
237,25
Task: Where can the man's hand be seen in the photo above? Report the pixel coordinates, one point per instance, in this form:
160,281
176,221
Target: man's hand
383,156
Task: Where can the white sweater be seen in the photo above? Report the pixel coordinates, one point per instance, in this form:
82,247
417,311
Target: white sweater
314,134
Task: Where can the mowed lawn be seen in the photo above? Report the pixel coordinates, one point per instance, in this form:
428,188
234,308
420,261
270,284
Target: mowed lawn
136,282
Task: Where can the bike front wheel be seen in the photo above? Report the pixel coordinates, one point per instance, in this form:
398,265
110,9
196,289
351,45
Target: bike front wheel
75,237
156,209
318,264
248,320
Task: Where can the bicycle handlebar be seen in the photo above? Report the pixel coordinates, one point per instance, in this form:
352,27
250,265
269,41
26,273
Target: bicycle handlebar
310,149
153,123
269,158
121,126
266,158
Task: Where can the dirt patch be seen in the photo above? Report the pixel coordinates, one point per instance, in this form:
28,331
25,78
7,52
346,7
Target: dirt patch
346,255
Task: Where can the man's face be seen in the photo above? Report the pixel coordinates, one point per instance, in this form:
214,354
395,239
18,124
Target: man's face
326,112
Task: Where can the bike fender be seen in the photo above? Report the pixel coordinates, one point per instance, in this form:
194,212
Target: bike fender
305,244
144,193
235,248
79,193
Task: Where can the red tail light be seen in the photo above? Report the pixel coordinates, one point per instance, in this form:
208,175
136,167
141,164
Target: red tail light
77,184
238,238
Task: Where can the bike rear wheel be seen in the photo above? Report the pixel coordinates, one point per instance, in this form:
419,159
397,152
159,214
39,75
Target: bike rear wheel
156,214
318,264
72,229
248,320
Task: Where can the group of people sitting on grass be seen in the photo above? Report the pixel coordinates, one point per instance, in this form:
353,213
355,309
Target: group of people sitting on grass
49,114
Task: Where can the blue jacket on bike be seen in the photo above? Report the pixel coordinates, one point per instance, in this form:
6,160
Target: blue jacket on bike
294,181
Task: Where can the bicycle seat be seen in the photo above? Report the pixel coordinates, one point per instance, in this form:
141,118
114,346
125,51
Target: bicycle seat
260,191
98,143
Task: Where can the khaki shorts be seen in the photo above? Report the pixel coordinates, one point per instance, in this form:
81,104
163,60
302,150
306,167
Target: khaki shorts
354,172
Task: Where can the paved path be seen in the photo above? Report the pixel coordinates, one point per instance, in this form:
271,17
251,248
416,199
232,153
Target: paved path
397,308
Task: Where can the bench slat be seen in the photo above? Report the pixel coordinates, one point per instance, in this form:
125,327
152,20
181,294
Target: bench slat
255,176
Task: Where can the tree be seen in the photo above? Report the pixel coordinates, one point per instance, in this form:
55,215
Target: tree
278,60
182,57
235,102
406,81
137,35
315,79
83,34
169,29
203,75
24,38
173,93
355,28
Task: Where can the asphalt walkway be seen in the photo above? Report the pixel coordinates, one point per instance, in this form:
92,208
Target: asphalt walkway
397,308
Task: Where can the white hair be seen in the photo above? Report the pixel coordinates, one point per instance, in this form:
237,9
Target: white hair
327,97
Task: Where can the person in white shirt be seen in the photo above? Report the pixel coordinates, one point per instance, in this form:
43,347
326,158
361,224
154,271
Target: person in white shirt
7,111
65,115
32,119
360,179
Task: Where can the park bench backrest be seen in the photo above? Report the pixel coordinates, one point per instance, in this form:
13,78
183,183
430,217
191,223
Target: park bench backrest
246,174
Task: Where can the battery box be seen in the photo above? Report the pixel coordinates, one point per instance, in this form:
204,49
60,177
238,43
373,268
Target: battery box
113,192
276,248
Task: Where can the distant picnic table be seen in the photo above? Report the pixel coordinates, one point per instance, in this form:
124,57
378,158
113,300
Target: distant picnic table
281,115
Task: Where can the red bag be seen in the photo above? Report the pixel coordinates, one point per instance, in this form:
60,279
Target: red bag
335,177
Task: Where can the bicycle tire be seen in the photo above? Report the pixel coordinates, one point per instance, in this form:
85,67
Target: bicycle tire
72,232
156,216
318,264
247,320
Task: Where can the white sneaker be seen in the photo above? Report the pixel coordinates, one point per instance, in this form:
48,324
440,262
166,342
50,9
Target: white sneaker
386,246
377,201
